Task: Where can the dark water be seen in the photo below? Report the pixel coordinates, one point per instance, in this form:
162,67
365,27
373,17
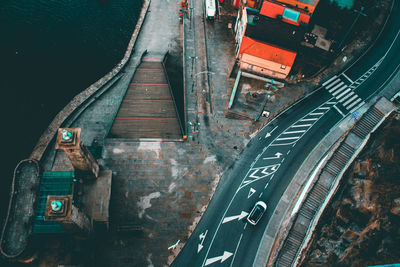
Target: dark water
49,52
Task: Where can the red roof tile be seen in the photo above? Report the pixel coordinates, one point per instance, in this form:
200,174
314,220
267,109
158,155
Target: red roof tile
272,10
267,51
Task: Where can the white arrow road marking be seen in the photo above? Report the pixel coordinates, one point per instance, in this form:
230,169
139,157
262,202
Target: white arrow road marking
269,133
174,245
277,156
201,237
259,173
238,217
222,258
251,192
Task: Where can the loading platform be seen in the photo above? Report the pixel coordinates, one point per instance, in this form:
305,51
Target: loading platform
148,109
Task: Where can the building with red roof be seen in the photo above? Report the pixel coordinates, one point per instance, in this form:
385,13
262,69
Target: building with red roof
286,14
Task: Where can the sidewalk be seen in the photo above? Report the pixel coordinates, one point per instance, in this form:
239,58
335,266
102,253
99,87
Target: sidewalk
160,189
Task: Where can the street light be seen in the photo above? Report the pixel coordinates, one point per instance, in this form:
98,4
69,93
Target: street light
360,12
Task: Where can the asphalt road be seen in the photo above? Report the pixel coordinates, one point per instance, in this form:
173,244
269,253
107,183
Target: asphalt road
262,172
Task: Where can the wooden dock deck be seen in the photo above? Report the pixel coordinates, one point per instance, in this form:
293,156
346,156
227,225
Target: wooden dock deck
148,109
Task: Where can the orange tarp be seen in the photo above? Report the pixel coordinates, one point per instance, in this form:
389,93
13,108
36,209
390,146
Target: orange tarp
267,51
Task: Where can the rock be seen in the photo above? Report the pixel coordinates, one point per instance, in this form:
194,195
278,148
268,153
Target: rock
396,207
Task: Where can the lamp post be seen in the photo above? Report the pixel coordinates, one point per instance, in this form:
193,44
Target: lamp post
360,12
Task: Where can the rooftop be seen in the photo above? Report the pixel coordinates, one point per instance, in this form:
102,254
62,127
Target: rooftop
272,31
266,51
286,14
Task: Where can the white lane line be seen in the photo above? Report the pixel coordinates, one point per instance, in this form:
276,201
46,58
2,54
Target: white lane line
283,160
288,138
323,108
234,255
300,125
357,107
284,144
340,90
354,103
328,81
260,194
316,113
338,110
347,77
343,93
349,100
336,87
312,119
288,152
294,132
347,96
331,103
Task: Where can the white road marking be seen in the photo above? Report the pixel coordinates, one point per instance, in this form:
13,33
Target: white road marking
332,84
237,246
201,237
336,87
340,90
328,81
251,192
245,225
300,125
312,119
288,138
338,110
294,132
343,93
277,156
269,133
354,103
288,152
260,194
357,107
348,101
222,258
316,113
347,77
324,108
331,103
235,217
347,96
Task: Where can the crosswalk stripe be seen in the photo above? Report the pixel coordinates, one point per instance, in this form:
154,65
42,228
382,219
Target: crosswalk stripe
328,81
355,102
343,93
288,138
340,90
316,113
332,84
358,106
332,102
349,100
347,96
293,132
336,87
323,108
312,119
300,125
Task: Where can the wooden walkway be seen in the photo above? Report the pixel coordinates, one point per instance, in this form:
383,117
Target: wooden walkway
147,110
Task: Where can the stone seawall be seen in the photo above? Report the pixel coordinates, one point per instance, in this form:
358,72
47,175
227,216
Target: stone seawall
82,97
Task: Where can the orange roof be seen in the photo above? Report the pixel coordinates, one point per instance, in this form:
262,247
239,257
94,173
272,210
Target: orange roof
272,10
267,51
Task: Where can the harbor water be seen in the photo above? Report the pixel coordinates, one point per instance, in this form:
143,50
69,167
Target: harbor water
49,52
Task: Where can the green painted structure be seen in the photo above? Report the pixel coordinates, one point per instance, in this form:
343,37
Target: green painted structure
52,183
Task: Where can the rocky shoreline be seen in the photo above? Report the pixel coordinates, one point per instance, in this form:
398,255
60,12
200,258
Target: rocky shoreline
362,224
